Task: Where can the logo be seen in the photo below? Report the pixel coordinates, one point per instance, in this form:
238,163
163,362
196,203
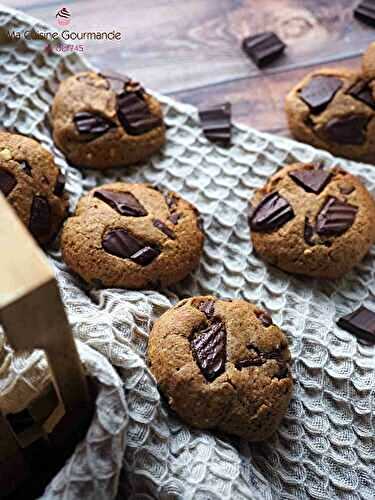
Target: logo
63,17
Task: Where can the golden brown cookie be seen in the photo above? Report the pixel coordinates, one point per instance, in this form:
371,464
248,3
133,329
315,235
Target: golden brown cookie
132,236
313,221
106,121
334,109
33,185
222,365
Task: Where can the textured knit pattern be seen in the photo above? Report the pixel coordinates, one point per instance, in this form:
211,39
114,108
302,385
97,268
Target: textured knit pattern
325,446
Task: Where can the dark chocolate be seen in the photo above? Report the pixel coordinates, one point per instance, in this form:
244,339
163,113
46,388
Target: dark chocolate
361,323
263,48
271,213
216,123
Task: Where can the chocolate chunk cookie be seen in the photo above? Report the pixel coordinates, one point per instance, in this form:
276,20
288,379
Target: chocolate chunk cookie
334,109
104,121
222,365
132,236
33,185
313,221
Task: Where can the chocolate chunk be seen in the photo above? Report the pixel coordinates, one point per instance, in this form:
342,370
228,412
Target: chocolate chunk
171,200
174,218
216,123
246,363
361,323
346,188
209,350
124,203
159,224
347,130
319,92
362,92
116,81
40,217
120,243
26,167
134,114
207,307
263,48
308,232
365,12
145,256
60,184
266,319
7,182
335,217
90,123
271,213
312,181
283,369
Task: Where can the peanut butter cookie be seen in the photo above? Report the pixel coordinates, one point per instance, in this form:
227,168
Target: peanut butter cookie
313,221
106,121
222,365
33,185
132,236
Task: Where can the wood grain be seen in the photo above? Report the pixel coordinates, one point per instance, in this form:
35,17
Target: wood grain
183,48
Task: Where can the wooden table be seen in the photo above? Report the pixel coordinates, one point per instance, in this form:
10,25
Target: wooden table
191,49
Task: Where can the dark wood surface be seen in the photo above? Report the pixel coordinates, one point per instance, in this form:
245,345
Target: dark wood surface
191,49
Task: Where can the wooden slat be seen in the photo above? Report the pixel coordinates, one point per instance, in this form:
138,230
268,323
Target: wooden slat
31,310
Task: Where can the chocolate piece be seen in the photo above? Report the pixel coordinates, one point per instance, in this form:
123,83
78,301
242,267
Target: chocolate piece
209,350
308,232
362,92
124,203
134,114
174,218
347,130
40,217
263,48
346,188
216,123
335,217
266,319
90,123
7,182
171,200
365,12
120,243
60,184
271,213
116,81
145,256
312,181
25,167
246,363
159,224
319,92
361,323
208,308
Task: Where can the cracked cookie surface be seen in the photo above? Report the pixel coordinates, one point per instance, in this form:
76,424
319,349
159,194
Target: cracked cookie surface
104,121
222,365
313,221
33,185
132,236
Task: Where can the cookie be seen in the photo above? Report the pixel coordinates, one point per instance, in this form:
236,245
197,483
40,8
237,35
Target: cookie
222,365
333,109
313,221
132,236
106,121
33,185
